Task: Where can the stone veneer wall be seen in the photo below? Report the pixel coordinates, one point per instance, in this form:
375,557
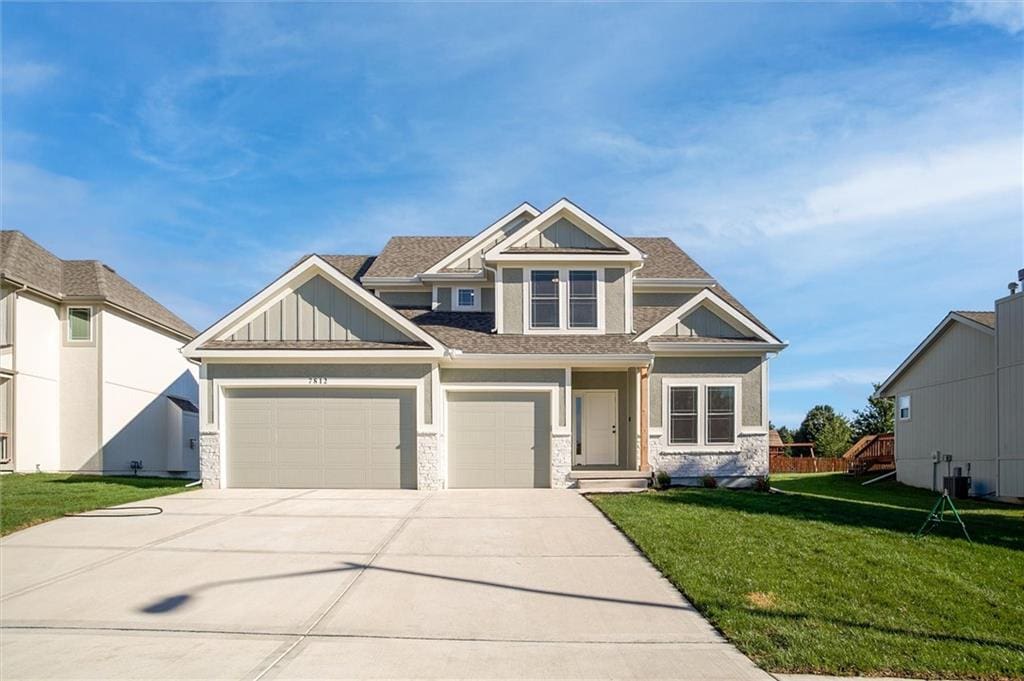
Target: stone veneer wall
561,460
738,466
431,469
209,458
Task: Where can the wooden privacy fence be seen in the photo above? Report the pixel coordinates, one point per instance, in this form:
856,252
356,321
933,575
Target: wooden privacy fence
806,464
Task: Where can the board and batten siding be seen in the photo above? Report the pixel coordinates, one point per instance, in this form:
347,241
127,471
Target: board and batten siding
563,234
748,369
318,311
703,323
1010,393
952,410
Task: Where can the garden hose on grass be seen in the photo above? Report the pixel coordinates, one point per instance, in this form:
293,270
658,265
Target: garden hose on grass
134,512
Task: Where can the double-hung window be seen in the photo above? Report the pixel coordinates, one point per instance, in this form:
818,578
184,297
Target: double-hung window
904,407
582,299
682,414
701,414
721,414
544,301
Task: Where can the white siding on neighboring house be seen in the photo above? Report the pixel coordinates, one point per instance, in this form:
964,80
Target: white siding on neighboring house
952,410
141,367
37,384
1010,379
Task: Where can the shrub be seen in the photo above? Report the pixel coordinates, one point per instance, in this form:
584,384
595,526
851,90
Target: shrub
709,482
763,484
662,480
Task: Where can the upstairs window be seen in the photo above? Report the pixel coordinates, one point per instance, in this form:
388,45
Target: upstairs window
904,407
80,323
544,299
467,299
721,417
583,299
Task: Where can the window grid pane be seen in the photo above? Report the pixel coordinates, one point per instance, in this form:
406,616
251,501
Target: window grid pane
80,323
544,299
583,299
467,297
683,415
721,414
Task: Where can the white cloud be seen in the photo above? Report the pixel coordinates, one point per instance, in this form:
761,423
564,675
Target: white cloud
830,378
20,77
1007,16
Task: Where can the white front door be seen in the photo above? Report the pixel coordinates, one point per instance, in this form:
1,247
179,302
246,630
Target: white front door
600,428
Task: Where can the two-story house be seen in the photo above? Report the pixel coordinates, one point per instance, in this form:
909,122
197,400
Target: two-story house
91,372
545,351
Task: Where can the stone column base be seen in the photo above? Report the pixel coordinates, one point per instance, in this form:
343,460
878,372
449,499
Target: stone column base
561,460
431,469
209,458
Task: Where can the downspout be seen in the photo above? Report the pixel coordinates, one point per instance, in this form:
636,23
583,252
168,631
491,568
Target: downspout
494,329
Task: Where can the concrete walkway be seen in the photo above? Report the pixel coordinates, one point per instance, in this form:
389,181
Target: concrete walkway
283,584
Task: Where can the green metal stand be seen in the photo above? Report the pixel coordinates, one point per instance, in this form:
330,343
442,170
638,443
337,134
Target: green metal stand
938,515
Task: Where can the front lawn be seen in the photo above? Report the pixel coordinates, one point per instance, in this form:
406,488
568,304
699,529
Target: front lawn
828,577
32,498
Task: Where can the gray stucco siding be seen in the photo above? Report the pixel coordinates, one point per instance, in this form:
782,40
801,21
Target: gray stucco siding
512,299
615,300
661,299
748,369
539,376
351,371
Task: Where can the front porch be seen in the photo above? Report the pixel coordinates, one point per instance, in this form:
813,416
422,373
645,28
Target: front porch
605,419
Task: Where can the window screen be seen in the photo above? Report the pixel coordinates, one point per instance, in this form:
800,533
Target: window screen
583,299
682,414
721,414
544,299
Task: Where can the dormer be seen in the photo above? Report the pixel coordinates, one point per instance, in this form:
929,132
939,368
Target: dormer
563,272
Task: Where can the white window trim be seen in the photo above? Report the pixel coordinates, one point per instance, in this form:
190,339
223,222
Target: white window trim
563,327
475,307
702,384
910,409
92,315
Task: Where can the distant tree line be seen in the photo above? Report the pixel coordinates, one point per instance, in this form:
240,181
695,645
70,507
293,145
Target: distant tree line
832,433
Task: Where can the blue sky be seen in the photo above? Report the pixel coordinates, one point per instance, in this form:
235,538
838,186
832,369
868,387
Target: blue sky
850,171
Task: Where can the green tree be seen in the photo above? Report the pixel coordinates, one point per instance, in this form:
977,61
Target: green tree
876,418
827,429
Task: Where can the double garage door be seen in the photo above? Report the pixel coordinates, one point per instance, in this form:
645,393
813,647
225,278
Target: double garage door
362,438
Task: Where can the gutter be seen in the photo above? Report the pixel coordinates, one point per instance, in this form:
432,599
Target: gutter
653,282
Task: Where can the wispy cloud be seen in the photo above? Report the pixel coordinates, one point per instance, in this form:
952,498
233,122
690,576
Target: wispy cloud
1006,15
20,77
831,378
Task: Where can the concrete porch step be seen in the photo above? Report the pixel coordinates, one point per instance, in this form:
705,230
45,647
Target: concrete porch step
610,480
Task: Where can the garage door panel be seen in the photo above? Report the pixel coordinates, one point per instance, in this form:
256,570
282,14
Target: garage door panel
499,440
322,438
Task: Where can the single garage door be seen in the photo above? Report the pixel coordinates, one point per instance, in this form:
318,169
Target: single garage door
499,440
349,438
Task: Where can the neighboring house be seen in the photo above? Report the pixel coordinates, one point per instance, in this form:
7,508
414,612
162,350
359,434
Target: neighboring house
91,372
960,402
545,351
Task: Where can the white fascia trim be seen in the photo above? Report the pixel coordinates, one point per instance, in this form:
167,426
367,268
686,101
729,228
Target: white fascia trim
550,215
752,349
500,361
466,249
370,282
656,282
595,260
264,356
949,319
719,304
281,286
474,275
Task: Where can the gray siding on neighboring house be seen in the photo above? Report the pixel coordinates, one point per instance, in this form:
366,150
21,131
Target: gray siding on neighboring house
319,310
704,323
512,299
666,299
563,234
619,382
1010,380
518,376
746,368
407,298
615,300
301,371
952,410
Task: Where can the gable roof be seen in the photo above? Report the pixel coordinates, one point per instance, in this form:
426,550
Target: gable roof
24,261
311,266
711,298
984,322
665,260
466,250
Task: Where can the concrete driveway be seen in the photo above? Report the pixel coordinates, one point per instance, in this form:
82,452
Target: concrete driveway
282,584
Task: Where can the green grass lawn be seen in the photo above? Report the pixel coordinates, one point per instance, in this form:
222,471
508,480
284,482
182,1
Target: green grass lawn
28,499
828,577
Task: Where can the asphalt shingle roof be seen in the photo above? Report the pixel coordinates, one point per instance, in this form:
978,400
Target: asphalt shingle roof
981,316
26,262
407,256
